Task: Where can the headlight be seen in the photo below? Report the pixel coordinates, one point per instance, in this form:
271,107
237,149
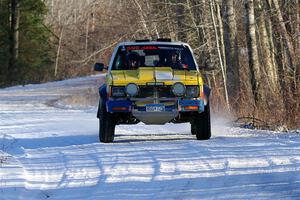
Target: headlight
192,91
132,89
178,89
118,91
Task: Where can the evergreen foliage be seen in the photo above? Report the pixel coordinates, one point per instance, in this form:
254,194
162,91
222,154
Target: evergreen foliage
34,53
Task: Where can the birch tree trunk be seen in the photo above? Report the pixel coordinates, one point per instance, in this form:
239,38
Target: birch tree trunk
207,33
270,31
168,21
287,40
298,26
193,19
270,67
219,55
231,49
297,69
179,18
221,31
253,59
87,35
153,14
58,51
142,17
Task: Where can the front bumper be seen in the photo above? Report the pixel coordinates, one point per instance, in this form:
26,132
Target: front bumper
179,105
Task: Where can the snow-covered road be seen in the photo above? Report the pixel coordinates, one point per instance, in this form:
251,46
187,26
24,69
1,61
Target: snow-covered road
50,152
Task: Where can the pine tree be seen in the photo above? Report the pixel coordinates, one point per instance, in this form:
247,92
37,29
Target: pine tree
24,44
4,39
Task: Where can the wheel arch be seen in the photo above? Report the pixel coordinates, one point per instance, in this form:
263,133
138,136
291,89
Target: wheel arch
207,92
103,97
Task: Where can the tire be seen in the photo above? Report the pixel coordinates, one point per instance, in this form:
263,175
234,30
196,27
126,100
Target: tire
193,128
200,125
106,125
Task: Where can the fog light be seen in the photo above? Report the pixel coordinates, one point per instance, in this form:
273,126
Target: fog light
192,91
132,89
178,89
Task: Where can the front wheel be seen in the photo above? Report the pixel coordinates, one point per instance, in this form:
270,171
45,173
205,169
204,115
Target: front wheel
193,128
200,125
106,125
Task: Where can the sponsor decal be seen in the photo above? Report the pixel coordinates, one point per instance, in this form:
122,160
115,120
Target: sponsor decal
130,48
163,75
172,48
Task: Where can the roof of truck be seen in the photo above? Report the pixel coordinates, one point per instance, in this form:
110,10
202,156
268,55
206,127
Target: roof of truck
151,43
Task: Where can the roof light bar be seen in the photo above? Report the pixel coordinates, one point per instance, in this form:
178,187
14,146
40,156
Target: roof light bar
164,40
146,40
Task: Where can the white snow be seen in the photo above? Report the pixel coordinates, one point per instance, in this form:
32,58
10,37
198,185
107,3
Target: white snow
53,152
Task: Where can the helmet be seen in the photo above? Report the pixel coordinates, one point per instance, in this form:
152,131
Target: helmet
132,56
132,60
174,53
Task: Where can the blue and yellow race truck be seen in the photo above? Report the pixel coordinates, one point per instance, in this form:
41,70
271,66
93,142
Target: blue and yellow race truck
154,82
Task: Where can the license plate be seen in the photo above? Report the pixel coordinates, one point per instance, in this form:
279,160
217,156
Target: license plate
155,108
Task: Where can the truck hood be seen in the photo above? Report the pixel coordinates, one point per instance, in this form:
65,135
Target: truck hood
144,75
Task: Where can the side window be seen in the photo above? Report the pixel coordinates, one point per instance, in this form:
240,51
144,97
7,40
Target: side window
187,59
151,60
118,61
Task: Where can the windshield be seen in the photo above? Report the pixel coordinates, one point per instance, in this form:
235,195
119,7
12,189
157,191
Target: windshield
134,56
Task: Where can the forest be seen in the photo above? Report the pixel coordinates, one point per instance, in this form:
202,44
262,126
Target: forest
251,48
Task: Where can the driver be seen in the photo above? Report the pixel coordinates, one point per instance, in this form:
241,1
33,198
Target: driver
174,61
132,60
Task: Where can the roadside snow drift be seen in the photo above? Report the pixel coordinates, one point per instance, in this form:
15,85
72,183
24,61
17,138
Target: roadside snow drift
50,150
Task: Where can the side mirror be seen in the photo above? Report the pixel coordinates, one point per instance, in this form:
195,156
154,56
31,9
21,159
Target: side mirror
99,67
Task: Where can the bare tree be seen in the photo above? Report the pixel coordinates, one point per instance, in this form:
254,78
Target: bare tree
142,17
180,18
231,49
284,33
269,64
253,59
219,54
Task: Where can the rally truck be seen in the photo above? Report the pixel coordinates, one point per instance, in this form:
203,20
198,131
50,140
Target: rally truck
154,82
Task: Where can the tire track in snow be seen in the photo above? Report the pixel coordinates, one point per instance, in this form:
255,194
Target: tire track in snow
59,156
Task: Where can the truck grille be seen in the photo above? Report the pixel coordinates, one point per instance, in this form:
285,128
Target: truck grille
155,91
